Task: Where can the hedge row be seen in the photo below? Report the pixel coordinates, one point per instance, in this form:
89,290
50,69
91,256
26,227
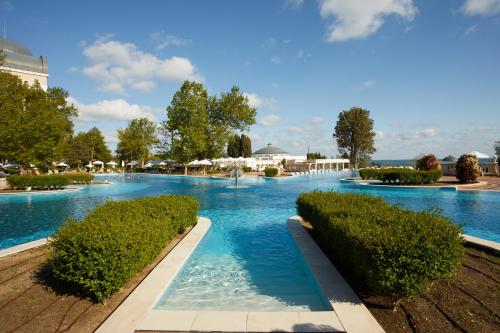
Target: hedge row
386,249
401,176
271,171
38,182
117,240
49,181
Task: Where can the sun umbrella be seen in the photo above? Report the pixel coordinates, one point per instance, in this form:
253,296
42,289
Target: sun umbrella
205,162
193,163
89,165
62,164
162,163
112,163
478,154
98,163
132,163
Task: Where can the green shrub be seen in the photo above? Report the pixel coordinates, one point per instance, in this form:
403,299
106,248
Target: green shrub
467,169
247,169
428,163
401,176
271,171
80,178
38,182
386,249
117,240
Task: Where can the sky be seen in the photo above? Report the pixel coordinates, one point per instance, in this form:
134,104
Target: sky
428,71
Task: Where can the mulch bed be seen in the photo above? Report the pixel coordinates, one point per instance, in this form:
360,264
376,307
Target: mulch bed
30,301
469,302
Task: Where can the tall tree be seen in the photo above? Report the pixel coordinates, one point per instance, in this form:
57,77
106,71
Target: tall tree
354,135
199,126
88,146
36,125
137,140
188,121
246,146
496,146
234,146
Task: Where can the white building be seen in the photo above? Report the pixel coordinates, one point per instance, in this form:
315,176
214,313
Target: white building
273,156
20,61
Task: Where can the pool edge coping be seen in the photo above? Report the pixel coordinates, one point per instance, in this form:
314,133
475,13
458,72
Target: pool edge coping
134,307
351,311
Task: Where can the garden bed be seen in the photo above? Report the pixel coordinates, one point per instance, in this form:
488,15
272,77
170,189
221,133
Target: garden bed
466,303
33,302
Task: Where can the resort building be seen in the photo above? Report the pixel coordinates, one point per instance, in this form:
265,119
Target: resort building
273,156
21,62
319,165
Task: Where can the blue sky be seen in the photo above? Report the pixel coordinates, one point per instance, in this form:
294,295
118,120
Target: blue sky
428,71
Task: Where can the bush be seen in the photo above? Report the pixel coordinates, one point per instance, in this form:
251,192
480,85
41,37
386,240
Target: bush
467,169
247,169
117,240
80,178
428,163
38,182
386,249
401,176
271,171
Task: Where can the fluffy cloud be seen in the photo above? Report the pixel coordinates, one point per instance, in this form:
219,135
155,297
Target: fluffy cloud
162,41
272,119
294,3
368,84
276,60
357,19
119,66
481,7
255,101
426,133
117,109
317,120
296,129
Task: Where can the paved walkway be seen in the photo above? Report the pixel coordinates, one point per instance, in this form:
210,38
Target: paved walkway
493,183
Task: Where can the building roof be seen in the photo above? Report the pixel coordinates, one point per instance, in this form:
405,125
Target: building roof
270,150
19,57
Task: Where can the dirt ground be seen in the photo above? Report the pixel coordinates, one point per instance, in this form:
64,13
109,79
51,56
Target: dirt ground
30,301
469,302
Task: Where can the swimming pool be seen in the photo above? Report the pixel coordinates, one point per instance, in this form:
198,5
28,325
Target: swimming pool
247,260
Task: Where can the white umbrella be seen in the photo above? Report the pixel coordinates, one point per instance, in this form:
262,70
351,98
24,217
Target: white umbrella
89,165
62,164
205,162
113,163
132,163
192,163
478,154
162,163
98,163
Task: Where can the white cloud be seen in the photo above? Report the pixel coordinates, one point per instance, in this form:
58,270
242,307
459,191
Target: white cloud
481,7
117,109
119,66
269,120
426,133
73,69
301,54
276,60
368,84
295,4
269,43
357,18
162,41
471,29
317,120
255,101
295,129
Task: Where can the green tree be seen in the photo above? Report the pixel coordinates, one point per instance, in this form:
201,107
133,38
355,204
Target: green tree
234,146
496,146
199,126
137,140
246,146
315,156
354,135
88,146
36,124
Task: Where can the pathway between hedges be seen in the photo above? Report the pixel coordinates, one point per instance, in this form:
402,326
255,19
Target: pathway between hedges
31,302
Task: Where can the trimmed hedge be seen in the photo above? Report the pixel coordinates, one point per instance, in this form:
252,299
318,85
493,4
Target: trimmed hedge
401,176
467,168
386,249
38,182
428,162
117,240
80,178
271,172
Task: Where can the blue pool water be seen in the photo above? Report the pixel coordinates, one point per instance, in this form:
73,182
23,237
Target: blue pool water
247,260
